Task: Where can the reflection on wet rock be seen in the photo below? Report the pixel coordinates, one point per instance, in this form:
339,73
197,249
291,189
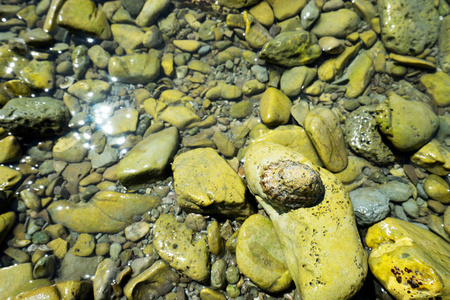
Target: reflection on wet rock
337,23
90,91
434,157
275,107
134,68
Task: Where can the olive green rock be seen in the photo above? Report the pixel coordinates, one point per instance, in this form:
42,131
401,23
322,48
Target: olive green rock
70,148
437,188
151,11
409,261
10,150
181,248
241,110
275,107
10,59
408,26
438,87
338,23
90,90
8,178
62,290
134,68
224,91
39,75
130,37
34,117
17,279
294,80
359,75
325,132
407,124
292,48
106,212
179,116
99,56
149,160
205,183
259,255
256,34
433,157
82,16
444,44
238,3
320,242
284,9
6,223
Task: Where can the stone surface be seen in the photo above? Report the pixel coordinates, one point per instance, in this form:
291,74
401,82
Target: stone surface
39,74
70,148
10,149
338,23
73,266
17,279
259,255
438,87
397,191
6,223
90,91
84,246
275,107
107,212
444,45
325,132
437,188
149,160
150,12
134,68
284,9
433,157
181,249
205,183
34,117
294,80
224,91
407,124
359,74
238,3
334,269
370,205
256,34
408,27
410,262
292,48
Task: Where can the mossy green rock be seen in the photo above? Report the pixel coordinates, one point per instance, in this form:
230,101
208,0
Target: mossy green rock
17,279
106,212
39,74
260,256
338,23
241,109
410,262
275,107
10,58
149,160
408,26
181,248
292,48
6,223
321,243
205,183
134,68
444,45
407,124
238,3
90,90
438,87
437,188
433,157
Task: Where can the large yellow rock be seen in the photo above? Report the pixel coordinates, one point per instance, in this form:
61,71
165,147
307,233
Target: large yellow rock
313,217
409,261
10,150
61,291
17,279
433,157
6,223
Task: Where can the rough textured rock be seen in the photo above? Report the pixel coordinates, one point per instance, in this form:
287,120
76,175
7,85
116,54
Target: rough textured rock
410,262
205,183
362,136
35,117
335,268
408,26
370,205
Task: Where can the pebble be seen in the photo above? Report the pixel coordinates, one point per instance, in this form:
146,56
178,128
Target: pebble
437,188
84,245
370,205
275,107
397,191
136,231
218,274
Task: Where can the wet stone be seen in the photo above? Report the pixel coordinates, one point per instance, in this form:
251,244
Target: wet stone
84,245
136,231
337,23
218,274
73,266
370,205
134,68
275,107
397,191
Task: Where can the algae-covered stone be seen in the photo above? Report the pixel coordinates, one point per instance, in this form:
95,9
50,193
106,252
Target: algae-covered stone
205,183
292,48
444,45
362,136
241,109
107,212
181,248
10,149
130,37
224,91
338,23
17,279
84,245
275,107
260,256
39,74
134,68
151,11
149,160
284,9
433,157
6,223
407,124
293,81
62,290
90,90
263,13
437,188
256,34
325,132
438,87
408,26
359,75
11,62
83,16
238,3
335,265
410,262
179,116
34,117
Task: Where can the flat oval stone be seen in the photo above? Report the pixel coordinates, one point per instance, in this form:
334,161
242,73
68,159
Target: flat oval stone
437,188
336,23
134,68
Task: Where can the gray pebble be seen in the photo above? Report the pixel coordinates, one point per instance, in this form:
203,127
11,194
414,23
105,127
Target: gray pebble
260,73
370,205
397,191
114,250
411,208
233,275
400,213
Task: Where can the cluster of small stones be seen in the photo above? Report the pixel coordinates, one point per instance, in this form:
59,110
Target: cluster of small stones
208,58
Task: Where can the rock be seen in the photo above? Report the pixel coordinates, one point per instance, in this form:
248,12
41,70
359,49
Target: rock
331,45
179,116
238,3
436,225
365,9
73,266
263,13
44,267
84,246
107,212
397,191
224,145
99,56
444,45
210,294
130,37
241,109
256,34
199,66
136,231
152,283
362,136
396,20
134,68
309,14
104,275
10,150
11,58
205,183
59,247
224,91
152,37
90,90
187,45
292,48
34,117
149,160
319,199
370,205
324,130
447,220
84,17
260,73
206,30
62,290
150,12
260,256
438,87
411,61
437,188
170,25
70,148
124,120
218,274
335,66
294,80
17,279
6,223
80,61
411,208
275,107
359,75
405,257
181,249
106,158
215,242
433,157
407,124
284,9
39,75
338,23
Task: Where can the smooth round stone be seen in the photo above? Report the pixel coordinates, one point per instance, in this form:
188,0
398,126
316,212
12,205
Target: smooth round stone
436,206
104,275
210,294
253,87
8,178
128,36
152,37
40,237
436,224
206,30
215,242
336,23
397,191
411,208
260,73
70,148
169,26
84,245
437,188
188,45
90,90
370,205
331,45
136,231
199,66
309,14
233,275
241,110
223,144
233,291
134,68
275,107
263,13
218,274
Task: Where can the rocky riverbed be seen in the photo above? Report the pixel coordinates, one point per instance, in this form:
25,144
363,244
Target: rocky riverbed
229,149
